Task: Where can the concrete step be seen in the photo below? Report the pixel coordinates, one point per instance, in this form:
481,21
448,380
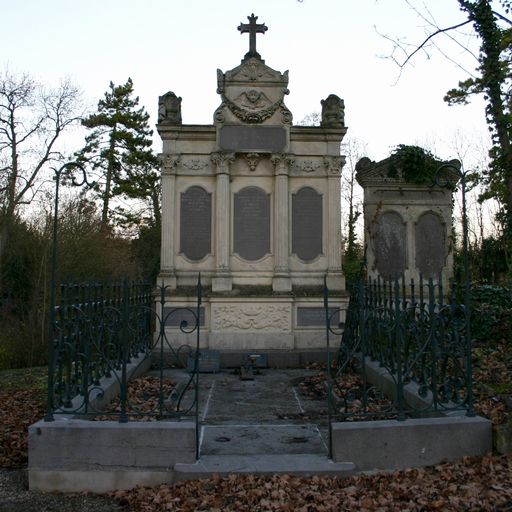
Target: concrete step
292,464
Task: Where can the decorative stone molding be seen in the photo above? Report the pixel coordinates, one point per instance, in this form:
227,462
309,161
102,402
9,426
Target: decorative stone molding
251,116
222,161
169,163
334,164
333,112
251,317
195,164
282,162
169,109
252,159
307,166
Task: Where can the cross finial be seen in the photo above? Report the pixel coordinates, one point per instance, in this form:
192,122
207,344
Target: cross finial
252,28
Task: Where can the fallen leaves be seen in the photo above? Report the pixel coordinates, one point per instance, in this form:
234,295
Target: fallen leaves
355,400
142,399
474,484
18,410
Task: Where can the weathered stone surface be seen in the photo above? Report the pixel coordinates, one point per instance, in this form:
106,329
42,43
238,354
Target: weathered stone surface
252,138
251,223
390,245
391,444
262,317
307,224
430,245
196,223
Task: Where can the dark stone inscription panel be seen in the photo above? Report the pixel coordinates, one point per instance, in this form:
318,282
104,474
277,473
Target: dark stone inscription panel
430,245
251,223
196,223
390,245
252,138
313,317
307,224
174,316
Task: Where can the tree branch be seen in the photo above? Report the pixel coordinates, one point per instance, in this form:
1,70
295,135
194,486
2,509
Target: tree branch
429,37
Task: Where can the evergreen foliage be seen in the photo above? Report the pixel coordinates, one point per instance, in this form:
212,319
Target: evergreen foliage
118,151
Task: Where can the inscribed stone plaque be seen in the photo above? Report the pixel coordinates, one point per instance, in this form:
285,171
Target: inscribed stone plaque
196,223
430,245
251,223
312,317
173,316
252,138
390,245
307,224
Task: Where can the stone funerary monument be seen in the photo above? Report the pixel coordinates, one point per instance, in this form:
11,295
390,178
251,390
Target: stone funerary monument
253,203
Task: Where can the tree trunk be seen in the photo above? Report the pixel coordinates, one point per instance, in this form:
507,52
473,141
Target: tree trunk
108,179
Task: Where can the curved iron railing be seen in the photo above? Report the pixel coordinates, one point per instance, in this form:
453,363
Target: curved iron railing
409,346
103,335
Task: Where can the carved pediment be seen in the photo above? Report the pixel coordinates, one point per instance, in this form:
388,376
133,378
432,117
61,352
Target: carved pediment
255,70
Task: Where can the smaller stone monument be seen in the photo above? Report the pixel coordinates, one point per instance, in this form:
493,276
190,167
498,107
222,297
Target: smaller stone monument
407,223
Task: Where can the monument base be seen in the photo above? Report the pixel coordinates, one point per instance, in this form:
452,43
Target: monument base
272,322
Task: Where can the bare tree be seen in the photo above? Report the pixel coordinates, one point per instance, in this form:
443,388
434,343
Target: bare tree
32,120
489,22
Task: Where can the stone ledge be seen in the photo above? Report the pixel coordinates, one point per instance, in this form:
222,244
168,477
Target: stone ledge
391,444
98,481
111,448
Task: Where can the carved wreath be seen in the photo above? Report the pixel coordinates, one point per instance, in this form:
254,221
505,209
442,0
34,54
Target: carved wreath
250,116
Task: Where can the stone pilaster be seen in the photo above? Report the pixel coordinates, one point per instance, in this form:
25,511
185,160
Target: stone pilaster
222,280
281,280
167,266
334,165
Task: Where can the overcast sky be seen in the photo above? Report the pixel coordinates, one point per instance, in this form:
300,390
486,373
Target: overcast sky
328,46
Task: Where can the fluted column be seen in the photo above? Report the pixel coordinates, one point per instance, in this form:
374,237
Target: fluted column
281,280
168,250
334,165
222,280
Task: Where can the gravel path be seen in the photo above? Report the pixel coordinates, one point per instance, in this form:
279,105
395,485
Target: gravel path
15,497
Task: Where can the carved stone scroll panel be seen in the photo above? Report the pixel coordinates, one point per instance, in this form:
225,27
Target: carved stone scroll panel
256,317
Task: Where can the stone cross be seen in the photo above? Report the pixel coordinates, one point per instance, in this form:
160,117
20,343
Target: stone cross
252,28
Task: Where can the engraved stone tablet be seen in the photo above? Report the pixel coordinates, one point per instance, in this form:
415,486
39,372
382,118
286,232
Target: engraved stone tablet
196,223
173,316
307,224
390,245
252,138
315,316
430,245
251,223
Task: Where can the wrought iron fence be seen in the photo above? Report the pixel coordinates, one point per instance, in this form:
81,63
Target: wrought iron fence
102,335
405,350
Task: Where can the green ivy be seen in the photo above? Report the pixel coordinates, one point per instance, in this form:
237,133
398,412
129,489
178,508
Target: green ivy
414,164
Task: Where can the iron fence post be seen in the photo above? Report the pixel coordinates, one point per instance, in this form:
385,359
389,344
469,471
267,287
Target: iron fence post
399,355
123,418
329,376
196,360
53,271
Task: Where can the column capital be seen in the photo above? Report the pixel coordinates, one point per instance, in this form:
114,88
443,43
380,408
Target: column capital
282,162
222,160
169,163
334,164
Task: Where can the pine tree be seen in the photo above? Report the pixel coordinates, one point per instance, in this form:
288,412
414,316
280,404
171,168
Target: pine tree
118,151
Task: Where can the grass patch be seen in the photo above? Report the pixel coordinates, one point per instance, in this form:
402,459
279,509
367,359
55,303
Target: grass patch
24,378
